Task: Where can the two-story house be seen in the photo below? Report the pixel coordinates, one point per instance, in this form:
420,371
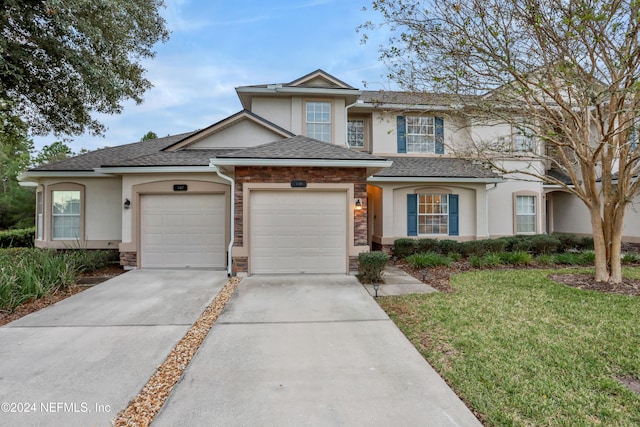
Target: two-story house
308,175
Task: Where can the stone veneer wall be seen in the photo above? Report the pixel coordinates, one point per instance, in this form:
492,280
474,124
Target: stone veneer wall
128,259
321,175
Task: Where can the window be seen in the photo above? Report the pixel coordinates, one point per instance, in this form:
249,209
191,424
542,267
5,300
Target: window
65,220
355,133
523,139
39,216
319,120
421,136
525,214
433,214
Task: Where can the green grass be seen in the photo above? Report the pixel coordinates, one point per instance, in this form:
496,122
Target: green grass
523,350
27,274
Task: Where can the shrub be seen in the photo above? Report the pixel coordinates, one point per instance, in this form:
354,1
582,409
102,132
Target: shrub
22,238
447,246
516,258
472,247
428,259
492,260
404,247
545,259
588,258
476,261
426,245
586,244
630,258
522,244
371,265
544,244
568,258
455,256
568,242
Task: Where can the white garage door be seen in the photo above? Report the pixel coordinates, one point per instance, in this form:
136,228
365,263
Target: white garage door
183,230
298,232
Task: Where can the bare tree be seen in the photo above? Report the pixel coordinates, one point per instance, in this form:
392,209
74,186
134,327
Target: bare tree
564,73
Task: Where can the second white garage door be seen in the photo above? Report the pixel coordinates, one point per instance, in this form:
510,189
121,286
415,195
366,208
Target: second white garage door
183,230
298,232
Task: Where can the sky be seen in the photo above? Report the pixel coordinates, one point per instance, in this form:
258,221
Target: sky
218,45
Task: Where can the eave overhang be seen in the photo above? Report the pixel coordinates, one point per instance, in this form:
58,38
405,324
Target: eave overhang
434,179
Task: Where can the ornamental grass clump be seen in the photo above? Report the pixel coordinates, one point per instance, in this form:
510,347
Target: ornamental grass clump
428,259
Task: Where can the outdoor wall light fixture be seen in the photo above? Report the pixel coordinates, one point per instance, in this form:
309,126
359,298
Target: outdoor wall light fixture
358,205
127,203
376,286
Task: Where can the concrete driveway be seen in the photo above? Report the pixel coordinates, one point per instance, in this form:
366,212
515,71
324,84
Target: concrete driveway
309,351
79,362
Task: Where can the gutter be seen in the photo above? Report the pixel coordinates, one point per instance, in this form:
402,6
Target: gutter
432,179
232,221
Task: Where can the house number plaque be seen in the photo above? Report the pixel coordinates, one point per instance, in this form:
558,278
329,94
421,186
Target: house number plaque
180,187
298,184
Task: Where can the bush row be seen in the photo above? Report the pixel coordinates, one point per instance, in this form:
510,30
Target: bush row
537,245
27,274
22,238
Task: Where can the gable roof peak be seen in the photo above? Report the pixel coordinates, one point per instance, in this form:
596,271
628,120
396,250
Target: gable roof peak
319,78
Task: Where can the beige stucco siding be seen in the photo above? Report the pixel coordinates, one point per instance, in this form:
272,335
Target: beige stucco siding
100,213
385,139
276,110
243,134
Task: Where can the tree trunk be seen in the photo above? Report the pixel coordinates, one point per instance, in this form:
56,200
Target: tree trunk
615,248
599,246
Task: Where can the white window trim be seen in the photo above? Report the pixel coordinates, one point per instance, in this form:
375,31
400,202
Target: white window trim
446,214
516,215
430,145
307,123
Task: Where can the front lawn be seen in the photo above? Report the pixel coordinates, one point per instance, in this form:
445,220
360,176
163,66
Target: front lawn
521,349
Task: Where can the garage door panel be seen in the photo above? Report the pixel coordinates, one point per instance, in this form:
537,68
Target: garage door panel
298,232
186,230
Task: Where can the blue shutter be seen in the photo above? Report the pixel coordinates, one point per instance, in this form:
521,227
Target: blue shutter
453,215
439,134
412,214
401,131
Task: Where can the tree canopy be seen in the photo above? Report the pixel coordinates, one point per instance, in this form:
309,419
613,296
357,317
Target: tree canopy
62,61
148,136
563,73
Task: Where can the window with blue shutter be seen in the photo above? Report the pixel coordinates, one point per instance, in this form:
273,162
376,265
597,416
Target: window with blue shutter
401,131
453,215
439,135
429,214
412,214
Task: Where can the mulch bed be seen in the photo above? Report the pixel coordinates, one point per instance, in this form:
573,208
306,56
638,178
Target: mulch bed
29,307
587,282
438,278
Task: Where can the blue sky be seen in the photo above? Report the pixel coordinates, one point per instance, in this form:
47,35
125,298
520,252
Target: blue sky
218,45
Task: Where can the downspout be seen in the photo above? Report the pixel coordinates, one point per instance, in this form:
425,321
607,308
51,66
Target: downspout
233,237
486,203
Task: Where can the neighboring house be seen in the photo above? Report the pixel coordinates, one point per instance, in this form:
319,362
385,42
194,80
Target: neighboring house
307,176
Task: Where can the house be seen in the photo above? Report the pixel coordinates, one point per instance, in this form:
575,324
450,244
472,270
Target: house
308,175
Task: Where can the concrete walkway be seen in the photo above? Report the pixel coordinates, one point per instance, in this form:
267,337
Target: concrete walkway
80,361
309,351
397,282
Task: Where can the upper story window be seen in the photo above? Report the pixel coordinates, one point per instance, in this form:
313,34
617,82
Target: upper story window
421,136
355,133
65,219
523,139
318,120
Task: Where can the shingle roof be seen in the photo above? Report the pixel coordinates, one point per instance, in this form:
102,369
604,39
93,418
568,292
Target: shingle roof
173,158
112,155
412,98
300,147
434,167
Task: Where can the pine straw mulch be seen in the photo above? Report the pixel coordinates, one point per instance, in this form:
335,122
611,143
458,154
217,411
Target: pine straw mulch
438,278
32,306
